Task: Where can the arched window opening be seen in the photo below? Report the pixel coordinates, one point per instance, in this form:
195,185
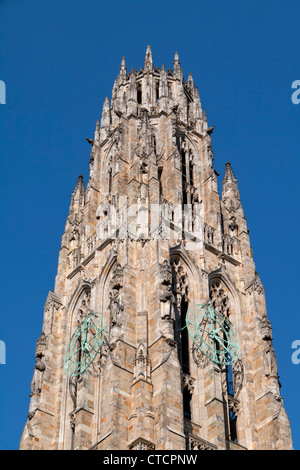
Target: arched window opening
110,180
184,187
160,169
191,174
185,358
139,93
156,90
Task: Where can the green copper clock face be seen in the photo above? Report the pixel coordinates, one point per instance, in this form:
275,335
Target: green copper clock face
84,344
212,334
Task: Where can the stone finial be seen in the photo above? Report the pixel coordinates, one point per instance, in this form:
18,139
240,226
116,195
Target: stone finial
96,137
230,191
229,176
176,62
123,70
190,79
148,63
177,68
79,188
77,199
197,104
105,118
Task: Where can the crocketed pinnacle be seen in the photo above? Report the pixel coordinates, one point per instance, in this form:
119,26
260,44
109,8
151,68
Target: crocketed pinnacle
148,63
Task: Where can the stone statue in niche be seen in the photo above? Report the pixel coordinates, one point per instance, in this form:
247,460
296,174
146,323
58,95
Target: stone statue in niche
271,361
166,290
271,367
180,282
116,307
84,306
166,299
117,277
166,273
37,380
39,368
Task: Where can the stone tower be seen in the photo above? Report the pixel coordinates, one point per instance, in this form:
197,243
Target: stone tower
146,239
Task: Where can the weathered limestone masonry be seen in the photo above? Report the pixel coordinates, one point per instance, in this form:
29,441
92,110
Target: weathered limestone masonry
149,386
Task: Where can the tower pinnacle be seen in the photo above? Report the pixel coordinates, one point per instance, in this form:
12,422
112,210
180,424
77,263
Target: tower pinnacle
148,63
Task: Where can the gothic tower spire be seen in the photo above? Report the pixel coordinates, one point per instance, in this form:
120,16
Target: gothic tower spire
156,335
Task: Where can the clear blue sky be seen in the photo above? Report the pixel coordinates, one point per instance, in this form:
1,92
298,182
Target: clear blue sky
59,60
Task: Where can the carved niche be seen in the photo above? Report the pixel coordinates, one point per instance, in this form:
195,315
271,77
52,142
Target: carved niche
52,304
219,297
83,308
142,366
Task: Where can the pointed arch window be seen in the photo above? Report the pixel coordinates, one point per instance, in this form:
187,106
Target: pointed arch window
139,93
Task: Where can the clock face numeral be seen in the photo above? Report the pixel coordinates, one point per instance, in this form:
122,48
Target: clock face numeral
212,334
84,344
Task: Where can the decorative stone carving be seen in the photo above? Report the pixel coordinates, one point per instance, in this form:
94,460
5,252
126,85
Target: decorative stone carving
116,308
255,286
142,444
258,287
91,244
265,329
271,367
219,298
196,443
188,383
142,366
233,405
74,258
209,233
238,377
166,273
199,358
37,380
271,361
117,277
83,308
36,383
52,303
180,282
166,290
228,244
233,227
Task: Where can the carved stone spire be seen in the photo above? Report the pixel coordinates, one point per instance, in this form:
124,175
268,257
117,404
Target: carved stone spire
148,64
105,119
197,105
230,186
77,199
190,83
177,68
123,70
97,135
